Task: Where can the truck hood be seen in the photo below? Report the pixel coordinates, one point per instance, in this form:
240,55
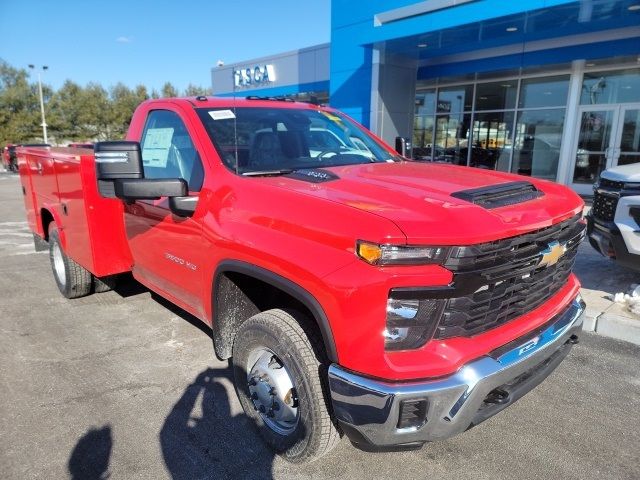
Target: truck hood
417,197
623,173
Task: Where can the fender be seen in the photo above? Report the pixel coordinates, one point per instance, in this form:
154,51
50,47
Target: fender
51,208
287,286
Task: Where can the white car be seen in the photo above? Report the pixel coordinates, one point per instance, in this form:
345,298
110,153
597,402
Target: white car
613,224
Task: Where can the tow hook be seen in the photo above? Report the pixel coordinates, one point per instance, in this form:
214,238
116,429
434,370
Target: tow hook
573,339
497,396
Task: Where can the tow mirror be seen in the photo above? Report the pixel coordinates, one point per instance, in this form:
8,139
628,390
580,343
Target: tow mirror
120,174
183,206
403,147
115,161
149,188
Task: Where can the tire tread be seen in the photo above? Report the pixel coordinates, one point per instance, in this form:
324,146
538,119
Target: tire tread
79,280
310,350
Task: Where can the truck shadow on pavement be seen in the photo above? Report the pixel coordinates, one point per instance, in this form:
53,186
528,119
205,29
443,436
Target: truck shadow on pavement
89,459
127,286
202,438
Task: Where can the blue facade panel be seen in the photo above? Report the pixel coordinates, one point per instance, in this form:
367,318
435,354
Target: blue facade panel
629,46
353,35
460,29
321,86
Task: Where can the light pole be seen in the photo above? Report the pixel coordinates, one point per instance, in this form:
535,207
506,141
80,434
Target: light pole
44,123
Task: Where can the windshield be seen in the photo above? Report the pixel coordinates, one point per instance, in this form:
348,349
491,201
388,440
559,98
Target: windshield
274,140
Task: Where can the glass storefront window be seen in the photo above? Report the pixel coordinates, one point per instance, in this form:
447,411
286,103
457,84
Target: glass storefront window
630,141
492,144
595,131
536,150
455,99
475,124
426,102
619,86
594,139
544,92
423,137
451,138
496,95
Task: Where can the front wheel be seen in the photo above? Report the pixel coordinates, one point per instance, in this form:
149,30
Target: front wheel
279,372
73,280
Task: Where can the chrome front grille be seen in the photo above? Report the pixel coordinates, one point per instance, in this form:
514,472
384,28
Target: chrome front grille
507,278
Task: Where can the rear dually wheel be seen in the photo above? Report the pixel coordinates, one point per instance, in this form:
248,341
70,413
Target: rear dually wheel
72,279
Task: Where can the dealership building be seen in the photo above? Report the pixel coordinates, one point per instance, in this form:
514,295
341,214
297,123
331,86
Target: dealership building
548,88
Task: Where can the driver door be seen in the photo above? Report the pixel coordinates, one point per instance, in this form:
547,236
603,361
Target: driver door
166,248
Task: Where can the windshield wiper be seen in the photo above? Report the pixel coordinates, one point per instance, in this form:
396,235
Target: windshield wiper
268,173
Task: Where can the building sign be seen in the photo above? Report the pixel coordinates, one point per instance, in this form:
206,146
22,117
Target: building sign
444,106
258,75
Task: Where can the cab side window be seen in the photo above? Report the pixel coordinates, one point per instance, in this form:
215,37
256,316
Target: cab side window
168,152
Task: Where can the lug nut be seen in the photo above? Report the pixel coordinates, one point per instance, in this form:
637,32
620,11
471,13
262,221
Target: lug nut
270,413
272,391
262,409
254,396
252,382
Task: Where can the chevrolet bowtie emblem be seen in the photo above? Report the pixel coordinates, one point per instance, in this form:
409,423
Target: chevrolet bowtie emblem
550,255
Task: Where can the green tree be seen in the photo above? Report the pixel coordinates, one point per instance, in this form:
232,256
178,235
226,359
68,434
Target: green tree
19,106
65,108
168,91
80,114
123,102
97,114
194,91
74,112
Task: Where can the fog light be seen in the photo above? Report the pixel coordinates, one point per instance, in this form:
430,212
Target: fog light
410,323
413,413
402,309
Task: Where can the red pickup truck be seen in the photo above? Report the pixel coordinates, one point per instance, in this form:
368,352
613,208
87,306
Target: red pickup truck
9,158
356,293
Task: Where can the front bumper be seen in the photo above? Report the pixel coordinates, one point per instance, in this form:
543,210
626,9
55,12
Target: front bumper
607,239
369,411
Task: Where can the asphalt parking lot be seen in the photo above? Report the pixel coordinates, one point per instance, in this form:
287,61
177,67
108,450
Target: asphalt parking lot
118,385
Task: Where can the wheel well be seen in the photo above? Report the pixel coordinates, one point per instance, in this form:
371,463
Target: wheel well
46,218
238,296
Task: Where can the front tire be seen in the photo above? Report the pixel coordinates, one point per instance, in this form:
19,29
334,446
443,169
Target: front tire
73,280
279,370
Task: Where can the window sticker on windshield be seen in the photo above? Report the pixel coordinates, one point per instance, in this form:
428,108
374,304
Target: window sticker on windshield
331,117
155,150
221,114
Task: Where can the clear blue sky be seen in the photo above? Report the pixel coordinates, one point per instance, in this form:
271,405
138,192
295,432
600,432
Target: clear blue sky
151,42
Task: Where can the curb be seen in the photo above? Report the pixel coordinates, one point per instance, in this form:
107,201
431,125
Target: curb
613,326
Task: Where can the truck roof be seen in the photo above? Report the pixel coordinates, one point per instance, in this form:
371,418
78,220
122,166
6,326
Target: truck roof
243,101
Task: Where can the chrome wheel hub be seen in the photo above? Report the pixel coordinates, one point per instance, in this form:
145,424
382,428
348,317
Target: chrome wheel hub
272,392
58,264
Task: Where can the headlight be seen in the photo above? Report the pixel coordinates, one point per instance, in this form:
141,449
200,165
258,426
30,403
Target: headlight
376,254
410,323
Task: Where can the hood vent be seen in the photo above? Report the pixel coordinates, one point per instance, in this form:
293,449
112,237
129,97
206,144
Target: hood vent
314,175
501,195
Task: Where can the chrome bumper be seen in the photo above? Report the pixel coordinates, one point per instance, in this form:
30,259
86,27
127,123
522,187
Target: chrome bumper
369,410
